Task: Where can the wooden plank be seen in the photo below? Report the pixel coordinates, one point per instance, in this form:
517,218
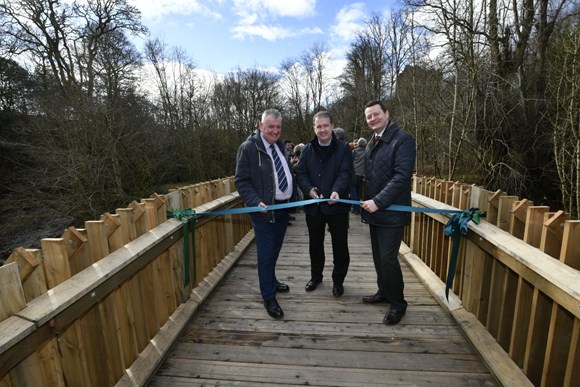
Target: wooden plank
523,311
570,253
552,234
537,337
173,201
493,207
508,309
558,347
139,325
181,372
479,198
505,370
26,262
122,297
12,331
505,205
518,217
45,361
74,361
534,225
573,363
13,300
101,337
475,259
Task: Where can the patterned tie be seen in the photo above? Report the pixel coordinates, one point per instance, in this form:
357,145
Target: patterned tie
282,182
377,138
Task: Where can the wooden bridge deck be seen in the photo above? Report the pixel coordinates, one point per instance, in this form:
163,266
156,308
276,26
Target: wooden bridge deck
322,340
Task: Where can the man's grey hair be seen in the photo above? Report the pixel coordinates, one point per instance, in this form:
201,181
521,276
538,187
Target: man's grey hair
362,142
339,133
275,114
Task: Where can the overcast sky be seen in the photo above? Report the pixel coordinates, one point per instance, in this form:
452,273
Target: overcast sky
220,35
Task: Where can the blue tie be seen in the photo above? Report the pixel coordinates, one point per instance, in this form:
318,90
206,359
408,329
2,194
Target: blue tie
282,182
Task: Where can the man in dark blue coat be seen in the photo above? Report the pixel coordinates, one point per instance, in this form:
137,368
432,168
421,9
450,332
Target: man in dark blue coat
263,178
325,171
389,163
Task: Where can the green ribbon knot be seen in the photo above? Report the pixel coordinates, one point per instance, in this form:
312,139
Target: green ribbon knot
185,216
456,227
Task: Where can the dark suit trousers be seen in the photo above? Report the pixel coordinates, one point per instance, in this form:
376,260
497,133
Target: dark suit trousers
338,225
269,240
385,243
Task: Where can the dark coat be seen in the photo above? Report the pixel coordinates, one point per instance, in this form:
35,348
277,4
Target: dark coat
329,170
254,177
388,171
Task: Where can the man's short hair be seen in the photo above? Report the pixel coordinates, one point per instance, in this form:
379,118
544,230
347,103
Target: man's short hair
323,114
275,114
377,102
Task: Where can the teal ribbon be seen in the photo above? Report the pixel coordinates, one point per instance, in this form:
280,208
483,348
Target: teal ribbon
186,216
456,226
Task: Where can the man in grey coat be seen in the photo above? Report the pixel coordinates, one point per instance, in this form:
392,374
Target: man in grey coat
389,162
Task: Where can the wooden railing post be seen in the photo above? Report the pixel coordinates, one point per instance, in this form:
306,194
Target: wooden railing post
518,217
534,225
570,252
505,205
552,233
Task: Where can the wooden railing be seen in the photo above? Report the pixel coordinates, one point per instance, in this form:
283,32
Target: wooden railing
517,273
101,305
90,307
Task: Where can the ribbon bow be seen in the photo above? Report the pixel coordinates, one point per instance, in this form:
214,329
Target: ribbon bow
457,226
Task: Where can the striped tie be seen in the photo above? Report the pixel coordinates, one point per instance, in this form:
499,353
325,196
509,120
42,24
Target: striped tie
282,182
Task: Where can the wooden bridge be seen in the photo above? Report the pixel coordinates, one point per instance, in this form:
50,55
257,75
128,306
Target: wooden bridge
323,340
139,299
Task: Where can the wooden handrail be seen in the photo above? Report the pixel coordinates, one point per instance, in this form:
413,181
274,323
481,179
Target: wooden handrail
51,314
527,300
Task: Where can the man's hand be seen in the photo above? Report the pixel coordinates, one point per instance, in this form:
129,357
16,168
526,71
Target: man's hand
369,206
333,195
261,204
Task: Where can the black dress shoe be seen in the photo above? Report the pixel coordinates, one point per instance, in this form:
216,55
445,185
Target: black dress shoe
393,316
311,285
282,287
337,290
374,299
274,309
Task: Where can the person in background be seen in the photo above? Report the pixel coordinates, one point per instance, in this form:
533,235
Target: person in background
325,171
263,178
289,149
291,156
339,132
294,165
389,162
358,158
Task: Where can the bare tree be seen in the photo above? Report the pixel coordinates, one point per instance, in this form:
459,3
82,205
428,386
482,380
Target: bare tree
101,18
563,87
242,97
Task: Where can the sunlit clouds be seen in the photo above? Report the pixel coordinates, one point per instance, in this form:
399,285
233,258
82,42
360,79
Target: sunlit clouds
349,20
